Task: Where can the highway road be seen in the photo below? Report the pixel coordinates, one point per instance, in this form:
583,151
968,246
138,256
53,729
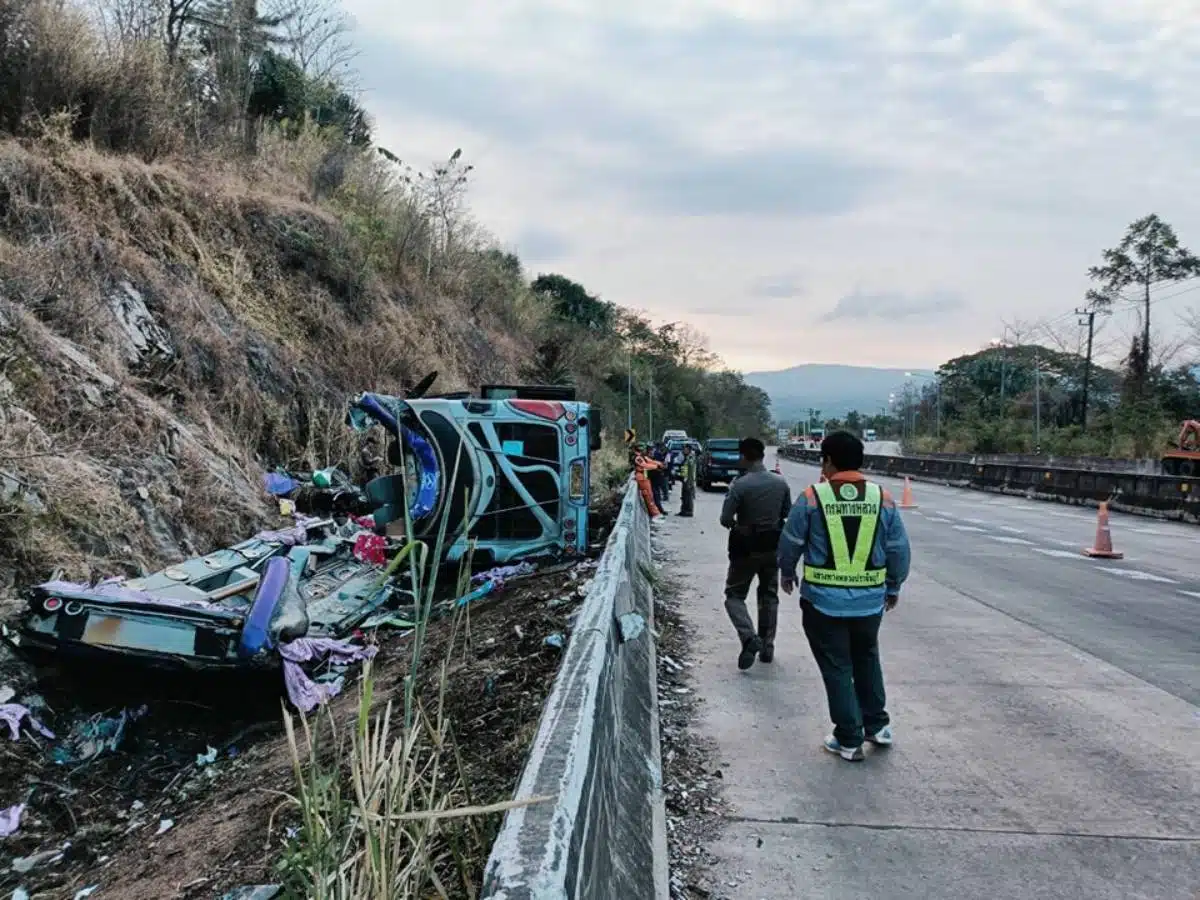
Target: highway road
1045,707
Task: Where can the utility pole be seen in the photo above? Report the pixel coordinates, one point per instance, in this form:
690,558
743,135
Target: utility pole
1090,314
629,393
1037,402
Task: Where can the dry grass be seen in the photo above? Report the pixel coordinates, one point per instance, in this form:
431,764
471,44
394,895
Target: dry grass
272,315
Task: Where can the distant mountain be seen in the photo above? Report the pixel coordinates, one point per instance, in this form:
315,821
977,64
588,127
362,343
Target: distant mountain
834,390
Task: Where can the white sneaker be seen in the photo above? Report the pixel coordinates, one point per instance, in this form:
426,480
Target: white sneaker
850,754
881,738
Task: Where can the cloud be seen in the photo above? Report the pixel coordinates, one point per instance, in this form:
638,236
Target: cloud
777,287
542,245
668,154
892,305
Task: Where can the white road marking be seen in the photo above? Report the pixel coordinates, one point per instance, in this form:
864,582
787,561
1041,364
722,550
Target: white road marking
1149,531
1191,594
1004,539
1058,554
977,521
1137,575
968,528
939,520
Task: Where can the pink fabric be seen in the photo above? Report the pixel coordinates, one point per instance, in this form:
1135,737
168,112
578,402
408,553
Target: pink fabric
371,548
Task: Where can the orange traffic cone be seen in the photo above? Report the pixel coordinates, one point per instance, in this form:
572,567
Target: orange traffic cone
777,470
906,499
1103,548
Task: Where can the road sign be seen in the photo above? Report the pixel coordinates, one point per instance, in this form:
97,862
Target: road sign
630,435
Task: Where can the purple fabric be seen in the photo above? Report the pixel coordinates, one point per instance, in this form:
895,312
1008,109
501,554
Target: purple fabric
305,693
10,819
297,534
501,574
115,589
12,714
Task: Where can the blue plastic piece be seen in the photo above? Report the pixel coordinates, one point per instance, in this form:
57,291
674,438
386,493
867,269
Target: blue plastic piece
256,632
482,591
426,498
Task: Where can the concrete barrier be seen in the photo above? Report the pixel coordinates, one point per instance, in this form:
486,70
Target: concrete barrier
602,832
1158,496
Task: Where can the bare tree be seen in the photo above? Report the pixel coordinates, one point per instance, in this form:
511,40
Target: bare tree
317,37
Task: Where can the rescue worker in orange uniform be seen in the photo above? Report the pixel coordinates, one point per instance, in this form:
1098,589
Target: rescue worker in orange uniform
642,466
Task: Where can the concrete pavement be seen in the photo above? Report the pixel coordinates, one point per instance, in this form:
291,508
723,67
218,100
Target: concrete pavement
1044,705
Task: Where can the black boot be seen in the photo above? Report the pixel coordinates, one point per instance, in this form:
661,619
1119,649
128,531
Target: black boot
750,649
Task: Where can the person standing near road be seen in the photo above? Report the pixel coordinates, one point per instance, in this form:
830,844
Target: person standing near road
658,478
754,512
643,465
856,557
687,478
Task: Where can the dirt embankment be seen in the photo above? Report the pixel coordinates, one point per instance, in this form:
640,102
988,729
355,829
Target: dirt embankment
166,331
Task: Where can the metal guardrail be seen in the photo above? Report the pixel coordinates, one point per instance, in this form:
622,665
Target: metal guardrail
1160,495
1083,463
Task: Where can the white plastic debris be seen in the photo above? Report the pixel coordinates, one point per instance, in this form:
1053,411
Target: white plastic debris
164,826
207,758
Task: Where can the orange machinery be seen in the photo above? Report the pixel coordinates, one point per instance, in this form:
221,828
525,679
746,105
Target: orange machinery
1184,461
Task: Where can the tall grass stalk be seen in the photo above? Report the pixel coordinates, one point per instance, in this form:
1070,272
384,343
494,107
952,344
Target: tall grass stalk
385,808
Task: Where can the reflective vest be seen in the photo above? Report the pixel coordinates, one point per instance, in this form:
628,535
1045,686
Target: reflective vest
847,568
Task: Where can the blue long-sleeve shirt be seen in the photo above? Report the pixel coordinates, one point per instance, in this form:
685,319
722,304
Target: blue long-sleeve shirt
805,537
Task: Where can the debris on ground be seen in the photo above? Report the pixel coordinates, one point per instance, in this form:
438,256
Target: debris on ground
691,775
12,714
10,819
93,736
305,693
89,824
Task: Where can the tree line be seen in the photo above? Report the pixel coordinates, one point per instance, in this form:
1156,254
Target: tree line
1040,389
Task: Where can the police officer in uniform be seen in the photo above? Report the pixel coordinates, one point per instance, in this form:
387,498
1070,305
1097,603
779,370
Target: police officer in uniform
755,508
856,556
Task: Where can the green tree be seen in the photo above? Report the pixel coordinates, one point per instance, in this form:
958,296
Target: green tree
1148,255
571,302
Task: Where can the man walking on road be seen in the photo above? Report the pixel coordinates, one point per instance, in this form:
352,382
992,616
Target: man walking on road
856,556
687,478
755,508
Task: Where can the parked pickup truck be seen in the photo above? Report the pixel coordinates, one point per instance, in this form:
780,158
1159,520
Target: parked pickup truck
718,463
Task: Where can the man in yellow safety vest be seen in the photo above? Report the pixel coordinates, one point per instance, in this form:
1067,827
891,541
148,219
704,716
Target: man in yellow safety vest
856,556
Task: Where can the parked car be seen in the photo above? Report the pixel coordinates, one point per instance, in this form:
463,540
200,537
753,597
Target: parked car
718,463
508,471
674,434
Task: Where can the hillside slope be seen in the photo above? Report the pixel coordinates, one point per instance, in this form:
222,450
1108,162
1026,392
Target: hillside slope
167,331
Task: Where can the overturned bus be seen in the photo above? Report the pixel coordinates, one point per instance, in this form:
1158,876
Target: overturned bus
504,474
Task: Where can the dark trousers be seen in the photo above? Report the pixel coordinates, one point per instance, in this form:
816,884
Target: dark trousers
742,571
658,481
847,653
687,500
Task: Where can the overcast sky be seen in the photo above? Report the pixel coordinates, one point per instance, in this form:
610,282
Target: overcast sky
876,182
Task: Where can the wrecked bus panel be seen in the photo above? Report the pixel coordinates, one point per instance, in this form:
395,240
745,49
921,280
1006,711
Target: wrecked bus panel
511,475
228,609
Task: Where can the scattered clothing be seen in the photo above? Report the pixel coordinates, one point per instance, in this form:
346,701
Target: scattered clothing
10,819
499,575
371,548
14,713
305,693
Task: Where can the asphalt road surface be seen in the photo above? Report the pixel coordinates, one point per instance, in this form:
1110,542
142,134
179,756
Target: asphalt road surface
1045,707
